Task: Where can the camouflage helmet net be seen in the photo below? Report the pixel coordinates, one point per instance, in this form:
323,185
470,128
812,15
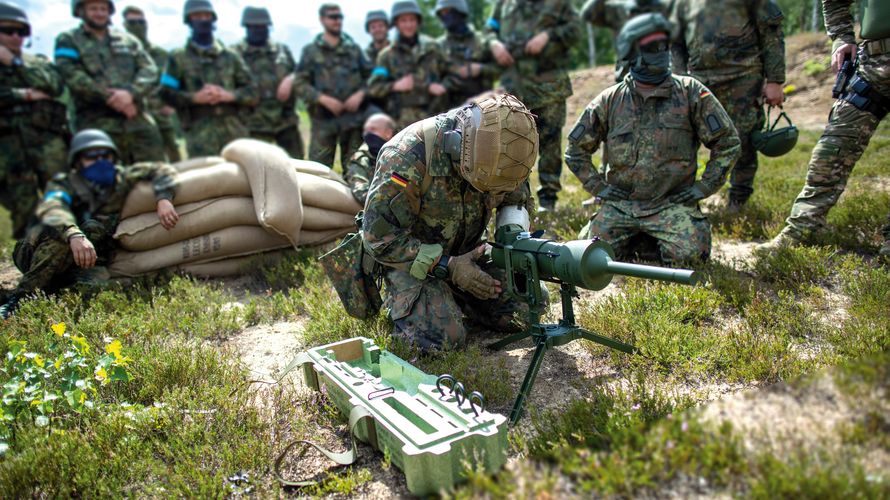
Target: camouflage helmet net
499,143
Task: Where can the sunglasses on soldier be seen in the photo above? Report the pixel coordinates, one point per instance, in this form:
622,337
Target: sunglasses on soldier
334,17
98,154
135,22
655,46
11,30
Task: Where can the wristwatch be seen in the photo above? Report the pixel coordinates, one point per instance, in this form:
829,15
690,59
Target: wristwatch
440,270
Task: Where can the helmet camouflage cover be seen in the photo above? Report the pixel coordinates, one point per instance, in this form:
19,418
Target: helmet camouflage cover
499,143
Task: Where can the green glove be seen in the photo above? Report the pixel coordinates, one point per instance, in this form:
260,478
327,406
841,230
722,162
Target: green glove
426,257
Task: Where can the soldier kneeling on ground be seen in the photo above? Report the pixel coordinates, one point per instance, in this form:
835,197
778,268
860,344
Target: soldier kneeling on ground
428,208
652,124
379,128
72,242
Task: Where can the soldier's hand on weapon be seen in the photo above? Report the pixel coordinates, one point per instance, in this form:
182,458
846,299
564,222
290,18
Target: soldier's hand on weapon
404,84
285,88
467,275
355,101
119,99
613,193
167,214
688,194
537,43
501,54
845,51
83,250
773,94
437,89
333,105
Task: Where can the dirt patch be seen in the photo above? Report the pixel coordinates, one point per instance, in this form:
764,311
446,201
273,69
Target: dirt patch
9,276
735,253
265,350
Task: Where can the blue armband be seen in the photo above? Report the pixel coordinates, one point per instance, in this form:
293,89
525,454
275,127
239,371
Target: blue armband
58,195
493,24
380,71
170,82
68,53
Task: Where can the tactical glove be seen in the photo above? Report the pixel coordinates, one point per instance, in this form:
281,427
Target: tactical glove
613,193
468,276
692,193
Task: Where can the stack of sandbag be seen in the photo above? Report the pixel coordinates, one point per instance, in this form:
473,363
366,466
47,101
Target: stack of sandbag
254,199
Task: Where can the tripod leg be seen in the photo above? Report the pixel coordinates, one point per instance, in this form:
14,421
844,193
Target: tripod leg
504,342
608,342
529,380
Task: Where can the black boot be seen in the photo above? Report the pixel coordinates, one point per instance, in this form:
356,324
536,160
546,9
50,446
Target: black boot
10,306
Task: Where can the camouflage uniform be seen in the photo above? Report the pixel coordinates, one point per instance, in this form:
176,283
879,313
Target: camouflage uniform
89,66
732,46
425,61
451,213
359,173
166,123
372,52
338,72
613,14
651,148
848,131
72,206
460,50
208,128
272,120
33,134
541,82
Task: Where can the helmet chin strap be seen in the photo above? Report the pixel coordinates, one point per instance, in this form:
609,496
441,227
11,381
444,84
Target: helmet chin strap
451,142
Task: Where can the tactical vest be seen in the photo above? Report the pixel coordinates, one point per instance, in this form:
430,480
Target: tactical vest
875,19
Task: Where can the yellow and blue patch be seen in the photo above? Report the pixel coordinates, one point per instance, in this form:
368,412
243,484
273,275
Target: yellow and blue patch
398,179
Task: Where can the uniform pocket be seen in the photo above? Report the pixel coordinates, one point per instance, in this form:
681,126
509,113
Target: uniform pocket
675,139
619,150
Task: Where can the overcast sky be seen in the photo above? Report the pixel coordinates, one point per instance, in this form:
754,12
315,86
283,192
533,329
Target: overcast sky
295,22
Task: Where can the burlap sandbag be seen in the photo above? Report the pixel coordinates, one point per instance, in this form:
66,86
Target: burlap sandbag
217,181
144,232
319,219
229,242
233,266
273,184
316,169
312,238
201,162
325,193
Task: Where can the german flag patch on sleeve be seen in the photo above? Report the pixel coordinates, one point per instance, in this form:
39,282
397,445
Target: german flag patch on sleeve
398,179
704,93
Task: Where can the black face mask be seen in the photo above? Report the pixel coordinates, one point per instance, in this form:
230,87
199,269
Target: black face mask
652,66
455,22
257,36
408,41
202,32
374,142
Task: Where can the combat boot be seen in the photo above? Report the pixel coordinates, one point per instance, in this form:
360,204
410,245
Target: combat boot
782,240
10,306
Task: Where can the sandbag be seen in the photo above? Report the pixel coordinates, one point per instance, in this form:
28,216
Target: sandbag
145,232
319,219
229,242
224,179
325,193
233,266
313,238
273,184
316,169
200,162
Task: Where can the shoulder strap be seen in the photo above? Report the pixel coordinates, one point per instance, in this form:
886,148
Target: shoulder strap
429,139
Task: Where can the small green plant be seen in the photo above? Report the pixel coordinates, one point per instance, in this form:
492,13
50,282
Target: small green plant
42,389
813,67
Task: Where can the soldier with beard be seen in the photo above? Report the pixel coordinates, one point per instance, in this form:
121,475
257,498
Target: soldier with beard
33,123
470,66
275,118
110,75
164,115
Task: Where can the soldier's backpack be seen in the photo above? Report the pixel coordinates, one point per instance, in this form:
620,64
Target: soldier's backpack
353,272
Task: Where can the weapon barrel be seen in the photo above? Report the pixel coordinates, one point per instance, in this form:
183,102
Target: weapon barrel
682,276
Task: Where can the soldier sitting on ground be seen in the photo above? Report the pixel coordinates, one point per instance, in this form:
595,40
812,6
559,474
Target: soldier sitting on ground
652,125
429,205
379,128
73,241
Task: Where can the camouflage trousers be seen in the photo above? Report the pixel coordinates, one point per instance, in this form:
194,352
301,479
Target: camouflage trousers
137,140
326,135
47,264
842,143
741,98
167,128
289,139
208,136
682,232
550,120
430,313
29,158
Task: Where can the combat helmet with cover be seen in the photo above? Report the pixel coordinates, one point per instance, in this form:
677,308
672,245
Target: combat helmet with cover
255,16
77,4
458,5
772,141
90,138
375,15
636,28
10,12
406,7
195,6
494,143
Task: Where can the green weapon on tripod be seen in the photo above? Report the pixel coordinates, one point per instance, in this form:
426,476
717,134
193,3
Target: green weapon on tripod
528,259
